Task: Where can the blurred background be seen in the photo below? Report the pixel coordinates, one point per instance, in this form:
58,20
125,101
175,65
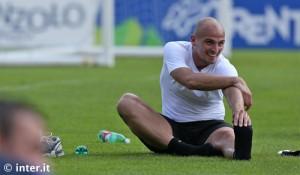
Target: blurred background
96,31
75,58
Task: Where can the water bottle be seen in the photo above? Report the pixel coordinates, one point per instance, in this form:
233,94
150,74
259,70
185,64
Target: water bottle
112,137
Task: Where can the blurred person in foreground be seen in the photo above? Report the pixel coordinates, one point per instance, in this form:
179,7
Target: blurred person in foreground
194,77
21,128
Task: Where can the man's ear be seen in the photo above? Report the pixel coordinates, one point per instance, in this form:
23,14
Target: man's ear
193,40
2,140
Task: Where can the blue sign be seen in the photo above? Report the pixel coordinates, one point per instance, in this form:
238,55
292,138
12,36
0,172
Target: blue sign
266,24
255,23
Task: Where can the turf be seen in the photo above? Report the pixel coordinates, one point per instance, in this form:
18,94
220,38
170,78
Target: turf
79,101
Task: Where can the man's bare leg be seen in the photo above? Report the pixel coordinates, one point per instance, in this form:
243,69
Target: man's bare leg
153,129
235,143
144,122
223,140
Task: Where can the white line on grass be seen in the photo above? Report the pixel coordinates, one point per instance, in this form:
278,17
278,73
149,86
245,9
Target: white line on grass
41,84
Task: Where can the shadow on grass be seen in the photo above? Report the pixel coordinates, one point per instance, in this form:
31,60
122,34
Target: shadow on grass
117,155
139,156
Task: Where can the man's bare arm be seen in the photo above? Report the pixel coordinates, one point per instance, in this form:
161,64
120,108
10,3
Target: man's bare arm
206,82
235,100
246,93
202,81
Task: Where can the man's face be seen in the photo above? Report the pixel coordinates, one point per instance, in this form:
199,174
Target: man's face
208,47
24,142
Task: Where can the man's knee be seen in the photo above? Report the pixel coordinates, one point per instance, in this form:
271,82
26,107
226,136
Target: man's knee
226,133
126,104
222,137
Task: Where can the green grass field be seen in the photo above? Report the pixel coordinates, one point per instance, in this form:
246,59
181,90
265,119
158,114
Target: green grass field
79,101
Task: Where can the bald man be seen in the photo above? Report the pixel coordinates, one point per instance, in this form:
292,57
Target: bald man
193,79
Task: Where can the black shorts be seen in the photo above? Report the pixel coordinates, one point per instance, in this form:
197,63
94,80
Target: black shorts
195,133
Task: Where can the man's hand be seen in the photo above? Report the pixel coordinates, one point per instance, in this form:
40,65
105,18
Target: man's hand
241,118
247,95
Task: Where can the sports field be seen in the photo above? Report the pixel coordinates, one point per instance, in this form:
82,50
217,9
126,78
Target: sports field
79,101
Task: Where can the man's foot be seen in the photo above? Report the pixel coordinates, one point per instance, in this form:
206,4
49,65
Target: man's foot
289,153
52,146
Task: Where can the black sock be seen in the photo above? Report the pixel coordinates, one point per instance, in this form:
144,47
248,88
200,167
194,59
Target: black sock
180,148
243,142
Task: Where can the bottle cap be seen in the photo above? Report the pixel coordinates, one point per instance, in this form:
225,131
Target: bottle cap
127,141
81,150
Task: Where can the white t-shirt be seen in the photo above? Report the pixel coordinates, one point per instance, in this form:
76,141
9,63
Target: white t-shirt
182,104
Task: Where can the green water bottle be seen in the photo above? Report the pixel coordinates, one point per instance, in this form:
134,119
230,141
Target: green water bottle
112,137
